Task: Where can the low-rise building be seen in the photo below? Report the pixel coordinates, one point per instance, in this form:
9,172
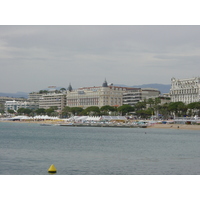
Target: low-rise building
15,105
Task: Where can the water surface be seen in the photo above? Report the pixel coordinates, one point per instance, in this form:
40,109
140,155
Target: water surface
28,149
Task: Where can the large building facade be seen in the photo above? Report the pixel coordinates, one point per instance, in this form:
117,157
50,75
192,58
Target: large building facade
185,90
53,100
108,95
133,95
84,97
96,96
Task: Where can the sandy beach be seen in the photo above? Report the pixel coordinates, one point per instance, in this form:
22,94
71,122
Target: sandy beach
176,126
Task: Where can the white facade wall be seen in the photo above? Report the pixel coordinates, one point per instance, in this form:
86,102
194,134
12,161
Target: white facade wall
95,96
53,100
185,90
132,96
15,105
34,96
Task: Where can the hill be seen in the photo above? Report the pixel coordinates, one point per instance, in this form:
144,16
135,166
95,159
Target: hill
15,95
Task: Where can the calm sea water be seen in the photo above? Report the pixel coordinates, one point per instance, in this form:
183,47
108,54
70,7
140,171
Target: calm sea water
29,149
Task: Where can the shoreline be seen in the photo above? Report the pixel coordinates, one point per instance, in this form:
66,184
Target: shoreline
161,126
176,126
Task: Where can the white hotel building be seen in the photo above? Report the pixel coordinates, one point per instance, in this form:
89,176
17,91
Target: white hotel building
185,90
108,95
95,96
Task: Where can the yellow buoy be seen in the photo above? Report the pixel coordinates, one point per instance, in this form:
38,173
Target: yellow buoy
52,169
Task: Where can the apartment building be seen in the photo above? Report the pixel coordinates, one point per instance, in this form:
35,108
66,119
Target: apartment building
34,96
133,95
185,90
53,100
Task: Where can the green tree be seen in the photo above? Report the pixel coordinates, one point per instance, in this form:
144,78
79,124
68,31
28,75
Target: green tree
43,91
76,110
177,108
11,111
1,108
40,111
164,110
52,111
62,89
140,105
151,102
92,110
194,108
25,111
106,109
65,111
125,109
146,113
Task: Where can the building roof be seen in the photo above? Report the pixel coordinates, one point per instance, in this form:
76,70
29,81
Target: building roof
105,84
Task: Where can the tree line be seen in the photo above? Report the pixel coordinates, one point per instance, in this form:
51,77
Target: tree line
150,107
145,109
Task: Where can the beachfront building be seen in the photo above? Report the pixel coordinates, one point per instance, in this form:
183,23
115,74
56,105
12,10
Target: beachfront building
133,95
4,99
185,90
96,96
34,96
15,105
53,100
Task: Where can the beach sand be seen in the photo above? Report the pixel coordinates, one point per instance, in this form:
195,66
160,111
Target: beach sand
176,126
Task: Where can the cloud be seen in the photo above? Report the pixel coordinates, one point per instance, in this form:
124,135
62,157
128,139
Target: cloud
86,55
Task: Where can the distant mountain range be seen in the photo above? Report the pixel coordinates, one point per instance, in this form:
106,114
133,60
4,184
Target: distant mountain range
161,87
15,95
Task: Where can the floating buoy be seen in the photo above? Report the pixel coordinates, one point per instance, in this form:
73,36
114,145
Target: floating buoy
52,169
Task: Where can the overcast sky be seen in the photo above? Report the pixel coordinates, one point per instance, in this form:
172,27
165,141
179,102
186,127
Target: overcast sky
35,57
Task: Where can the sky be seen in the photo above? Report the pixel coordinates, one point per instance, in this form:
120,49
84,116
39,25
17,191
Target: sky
35,57
129,43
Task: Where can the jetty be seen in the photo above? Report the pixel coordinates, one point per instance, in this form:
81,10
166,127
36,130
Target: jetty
112,125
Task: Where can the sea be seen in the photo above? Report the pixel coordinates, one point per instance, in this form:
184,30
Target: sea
30,149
